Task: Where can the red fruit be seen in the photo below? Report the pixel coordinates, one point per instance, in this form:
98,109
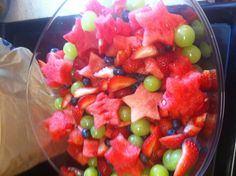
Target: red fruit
103,167
173,141
190,153
85,91
66,101
122,27
99,9
189,14
103,85
126,43
152,67
143,107
159,25
67,172
102,46
113,131
165,125
77,112
144,52
79,63
59,124
63,91
85,101
57,72
60,54
102,148
164,62
76,153
41,63
120,82
122,93
121,57
90,148
118,6
105,110
208,80
76,137
131,65
163,113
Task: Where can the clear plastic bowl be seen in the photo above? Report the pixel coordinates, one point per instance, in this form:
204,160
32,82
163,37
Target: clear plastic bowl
40,98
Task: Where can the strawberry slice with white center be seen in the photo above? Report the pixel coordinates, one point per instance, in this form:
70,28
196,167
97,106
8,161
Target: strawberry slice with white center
85,91
144,52
85,101
143,104
173,141
190,153
106,72
120,82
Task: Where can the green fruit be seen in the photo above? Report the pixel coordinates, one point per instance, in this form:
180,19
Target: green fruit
133,5
114,174
91,171
88,21
125,113
193,53
76,85
206,49
70,51
92,162
158,170
97,133
198,28
58,103
87,122
171,159
145,172
135,140
141,127
152,84
184,36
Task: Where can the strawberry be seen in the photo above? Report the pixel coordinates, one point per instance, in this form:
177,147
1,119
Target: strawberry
85,101
106,72
131,65
66,101
103,85
123,92
165,125
120,82
190,153
144,52
90,148
163,63
76,137
121,56
208,80
103,167
173,141
102,148
85,91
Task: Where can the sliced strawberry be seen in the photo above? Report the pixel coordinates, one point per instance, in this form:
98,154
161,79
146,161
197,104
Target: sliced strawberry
90,148
122,93
131,65
85,101
76,137
85,91
208,80
66,101
152,67
103,86
190,153
144,52
163,63
76,153
106,72
120,82
173,141
103,167
102,148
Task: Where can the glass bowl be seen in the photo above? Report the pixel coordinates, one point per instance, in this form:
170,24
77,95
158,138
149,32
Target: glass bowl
41,98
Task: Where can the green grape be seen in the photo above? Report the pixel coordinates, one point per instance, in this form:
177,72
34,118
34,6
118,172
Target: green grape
88,21
184,36
125,113
158,170
70,51
76,85
198,28
152,84
114,174
145,172
92,162
58,103
206,50
171,159
91,171
98,133
141,127
87,122
193,53
136,140
132,5
107,3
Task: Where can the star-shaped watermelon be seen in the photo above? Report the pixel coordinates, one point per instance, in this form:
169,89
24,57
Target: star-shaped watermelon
105,110
95,64
159,25
143,104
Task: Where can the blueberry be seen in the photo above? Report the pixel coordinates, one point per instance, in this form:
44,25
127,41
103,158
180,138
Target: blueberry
74,101
86,133
107,142
125,16
118,71
109,60
5,42
53,50
176,124
143,158
140,77
170,132
86,81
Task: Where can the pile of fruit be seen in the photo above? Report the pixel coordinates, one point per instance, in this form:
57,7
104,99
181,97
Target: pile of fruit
131,99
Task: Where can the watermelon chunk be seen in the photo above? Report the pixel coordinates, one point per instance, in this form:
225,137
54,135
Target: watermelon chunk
105,110
183,97
122,150
90,148
56,71
99,9
76,153
59,124
159,24
153,68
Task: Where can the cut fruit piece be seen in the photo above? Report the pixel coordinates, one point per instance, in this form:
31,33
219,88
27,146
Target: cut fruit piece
120,82
85,101
143,104
85,91
173,141
103,167
105,110
90,148
144,52
76,137
131,65
76,153
152,67
102,148
208,80
106,72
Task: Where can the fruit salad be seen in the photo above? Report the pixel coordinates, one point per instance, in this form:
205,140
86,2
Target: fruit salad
132,99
